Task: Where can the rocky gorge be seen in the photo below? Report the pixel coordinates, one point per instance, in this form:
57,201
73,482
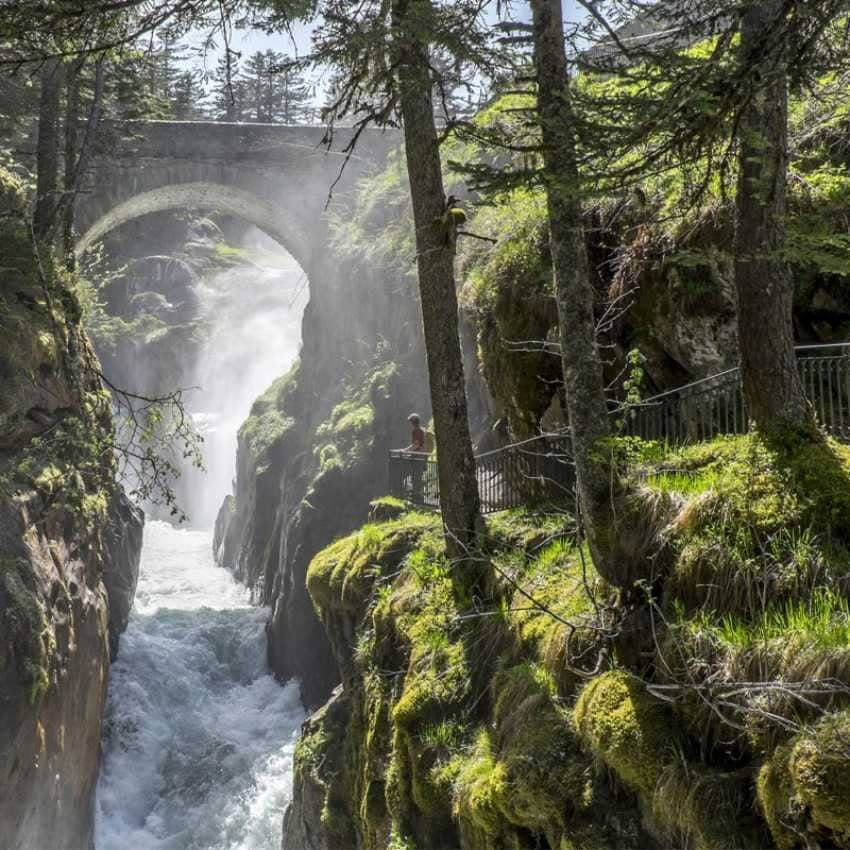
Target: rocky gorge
70,552
283,655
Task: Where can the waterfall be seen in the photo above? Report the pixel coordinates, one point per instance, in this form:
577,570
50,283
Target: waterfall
198,736
254,320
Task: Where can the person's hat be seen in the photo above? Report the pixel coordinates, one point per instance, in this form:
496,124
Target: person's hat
414,417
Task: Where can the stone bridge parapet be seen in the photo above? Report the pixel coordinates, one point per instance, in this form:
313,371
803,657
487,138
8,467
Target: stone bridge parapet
276,177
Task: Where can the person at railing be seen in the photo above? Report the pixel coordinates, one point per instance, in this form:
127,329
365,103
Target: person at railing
417,439
416,461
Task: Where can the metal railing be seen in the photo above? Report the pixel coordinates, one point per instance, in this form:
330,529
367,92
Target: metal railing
414,478
542,469
538,470
716,405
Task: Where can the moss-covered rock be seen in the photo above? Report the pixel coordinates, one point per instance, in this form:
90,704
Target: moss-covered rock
13,198
508,294
529,775
27,641
57,485
625,727
432,758
804,788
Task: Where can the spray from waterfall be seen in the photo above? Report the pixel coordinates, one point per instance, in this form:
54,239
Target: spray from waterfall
253,312
198,736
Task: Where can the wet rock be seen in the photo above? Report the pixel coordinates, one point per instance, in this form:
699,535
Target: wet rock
223,539
54,542
123,542
304,824
54,663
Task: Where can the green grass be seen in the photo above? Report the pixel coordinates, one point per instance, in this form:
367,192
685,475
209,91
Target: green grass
684,482
822,621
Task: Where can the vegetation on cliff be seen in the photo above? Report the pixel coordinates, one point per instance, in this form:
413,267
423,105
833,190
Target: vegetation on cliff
56,438
565,712
64,527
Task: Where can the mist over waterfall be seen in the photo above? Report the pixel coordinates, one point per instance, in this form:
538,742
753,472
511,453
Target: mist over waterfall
198,736
254,317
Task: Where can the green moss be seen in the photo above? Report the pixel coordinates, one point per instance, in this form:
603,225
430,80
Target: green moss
529,529
71,466
820,769
12,194
768,484
508,292
267,423
805,786
758,517
387,508
26,637
349,419
343,574
559,581
526,775
626,728
546,776
480,789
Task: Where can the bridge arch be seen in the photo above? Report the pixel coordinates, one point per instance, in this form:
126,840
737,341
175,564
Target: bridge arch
199,195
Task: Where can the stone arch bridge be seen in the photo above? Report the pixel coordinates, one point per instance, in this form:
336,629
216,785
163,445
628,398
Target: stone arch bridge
275,177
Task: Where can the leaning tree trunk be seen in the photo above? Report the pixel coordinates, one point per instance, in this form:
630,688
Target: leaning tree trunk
47,150
435,255
765,289
583,377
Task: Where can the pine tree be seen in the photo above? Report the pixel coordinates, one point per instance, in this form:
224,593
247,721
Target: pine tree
227,89
254,87
771,378
131,93
383,58
187,97
47,151
725,108
296,94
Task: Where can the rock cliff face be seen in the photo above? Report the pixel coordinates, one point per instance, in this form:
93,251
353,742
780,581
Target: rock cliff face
313,453
528,726
65,536
122,540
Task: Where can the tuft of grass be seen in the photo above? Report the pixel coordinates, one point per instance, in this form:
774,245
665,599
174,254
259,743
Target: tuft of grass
822,621
683,482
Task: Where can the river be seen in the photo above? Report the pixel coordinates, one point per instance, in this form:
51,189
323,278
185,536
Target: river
199,738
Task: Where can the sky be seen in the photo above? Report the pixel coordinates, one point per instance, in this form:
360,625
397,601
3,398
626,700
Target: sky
250,41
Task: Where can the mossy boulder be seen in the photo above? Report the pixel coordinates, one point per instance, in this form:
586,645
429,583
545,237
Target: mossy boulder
759,519
626,728
508,295
804,788
386,509
528,775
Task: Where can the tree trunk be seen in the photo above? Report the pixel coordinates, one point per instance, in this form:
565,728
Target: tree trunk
583,378
435,255
72,119
47,150
77,161
765,289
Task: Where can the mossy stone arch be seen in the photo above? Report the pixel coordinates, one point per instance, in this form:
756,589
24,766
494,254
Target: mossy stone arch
199,195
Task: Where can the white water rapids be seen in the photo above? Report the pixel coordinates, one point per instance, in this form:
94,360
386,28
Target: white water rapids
198,736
